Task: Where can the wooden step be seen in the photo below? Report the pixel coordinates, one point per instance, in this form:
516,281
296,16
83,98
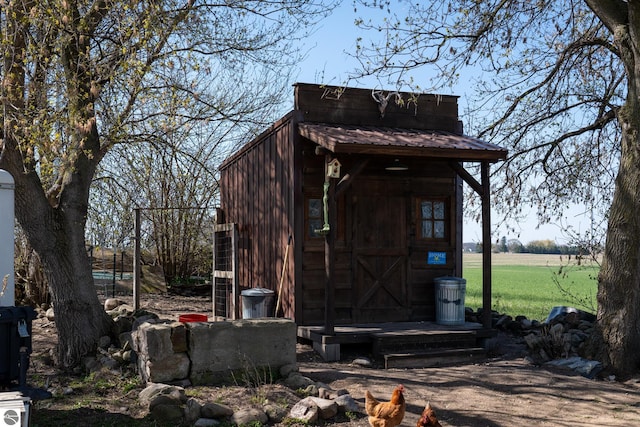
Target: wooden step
433,358
387,342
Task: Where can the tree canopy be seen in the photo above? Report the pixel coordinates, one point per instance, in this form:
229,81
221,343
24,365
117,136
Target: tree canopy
549,95
82,77
556,84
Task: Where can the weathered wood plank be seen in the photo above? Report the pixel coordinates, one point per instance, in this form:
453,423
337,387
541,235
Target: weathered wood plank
358,107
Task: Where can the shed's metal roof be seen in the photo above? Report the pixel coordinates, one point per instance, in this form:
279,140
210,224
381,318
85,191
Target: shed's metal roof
340,138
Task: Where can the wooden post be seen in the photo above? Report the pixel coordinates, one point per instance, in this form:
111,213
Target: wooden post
486,246
136,261
329,258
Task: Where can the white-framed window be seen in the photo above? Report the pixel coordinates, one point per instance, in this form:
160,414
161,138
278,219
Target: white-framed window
432,218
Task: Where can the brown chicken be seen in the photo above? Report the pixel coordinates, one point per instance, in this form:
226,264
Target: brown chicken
385,414
428,418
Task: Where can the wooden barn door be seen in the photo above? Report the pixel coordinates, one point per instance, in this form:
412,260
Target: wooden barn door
380,253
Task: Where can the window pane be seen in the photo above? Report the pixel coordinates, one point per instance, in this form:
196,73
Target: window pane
315,208
438,210
314,224
439,229
427,229
426,210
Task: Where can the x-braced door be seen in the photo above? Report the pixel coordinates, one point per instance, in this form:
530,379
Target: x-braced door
380,258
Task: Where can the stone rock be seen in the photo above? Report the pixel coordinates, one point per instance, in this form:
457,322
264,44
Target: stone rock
146,318
346,403
362,361
104,341
166,412
90,364
125,340
326,408
297,381
192,410
305,410
111,303
50,314
533,341
276,413
215,410
109,362
179,337
504,321
320,385
324,393
153,391
129,356
157,361
206,422
164,402
311,390
125,310
118,357
286,370
184,383
122,325
249,416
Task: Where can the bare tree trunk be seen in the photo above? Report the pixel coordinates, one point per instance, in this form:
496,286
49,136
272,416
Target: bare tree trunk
80,318
54,223
616,341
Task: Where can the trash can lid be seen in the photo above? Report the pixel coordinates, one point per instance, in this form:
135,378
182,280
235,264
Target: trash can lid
257,292
450,279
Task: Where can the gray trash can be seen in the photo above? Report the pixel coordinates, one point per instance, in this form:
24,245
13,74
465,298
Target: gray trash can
450,293
256,302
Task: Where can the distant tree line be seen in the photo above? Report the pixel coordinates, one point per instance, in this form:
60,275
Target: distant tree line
535,247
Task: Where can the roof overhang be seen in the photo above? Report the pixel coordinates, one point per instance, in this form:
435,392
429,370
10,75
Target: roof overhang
351,139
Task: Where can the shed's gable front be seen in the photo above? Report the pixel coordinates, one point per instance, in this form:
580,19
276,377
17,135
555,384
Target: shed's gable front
367,244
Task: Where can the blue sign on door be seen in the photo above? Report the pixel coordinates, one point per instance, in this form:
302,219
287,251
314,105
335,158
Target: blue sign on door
437,258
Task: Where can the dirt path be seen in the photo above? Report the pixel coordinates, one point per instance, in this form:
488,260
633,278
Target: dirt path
501,392
495,393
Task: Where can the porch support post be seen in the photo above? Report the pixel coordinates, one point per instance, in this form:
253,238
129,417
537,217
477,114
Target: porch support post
486,246
329,256
136,260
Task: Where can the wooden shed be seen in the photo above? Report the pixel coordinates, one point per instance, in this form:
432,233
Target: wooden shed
348,208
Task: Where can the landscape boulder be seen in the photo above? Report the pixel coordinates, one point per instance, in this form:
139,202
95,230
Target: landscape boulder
164,402
306,411
249,416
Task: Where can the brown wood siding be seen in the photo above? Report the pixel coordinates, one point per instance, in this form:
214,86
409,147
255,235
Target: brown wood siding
257,194
326,104
425,178
313,264
438,180
313,290
381,268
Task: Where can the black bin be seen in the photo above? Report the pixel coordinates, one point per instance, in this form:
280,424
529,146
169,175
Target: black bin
15,343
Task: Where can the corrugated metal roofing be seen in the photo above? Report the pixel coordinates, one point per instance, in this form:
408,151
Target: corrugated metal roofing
395,141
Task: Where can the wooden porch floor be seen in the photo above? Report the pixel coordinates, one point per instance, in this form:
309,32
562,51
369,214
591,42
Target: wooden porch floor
364,333
403,343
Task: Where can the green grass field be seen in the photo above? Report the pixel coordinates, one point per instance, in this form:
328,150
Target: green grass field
531,284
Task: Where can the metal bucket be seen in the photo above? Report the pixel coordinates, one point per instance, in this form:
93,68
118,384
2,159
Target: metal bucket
256,303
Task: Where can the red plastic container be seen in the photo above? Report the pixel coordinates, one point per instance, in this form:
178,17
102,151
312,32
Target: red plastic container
190,318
